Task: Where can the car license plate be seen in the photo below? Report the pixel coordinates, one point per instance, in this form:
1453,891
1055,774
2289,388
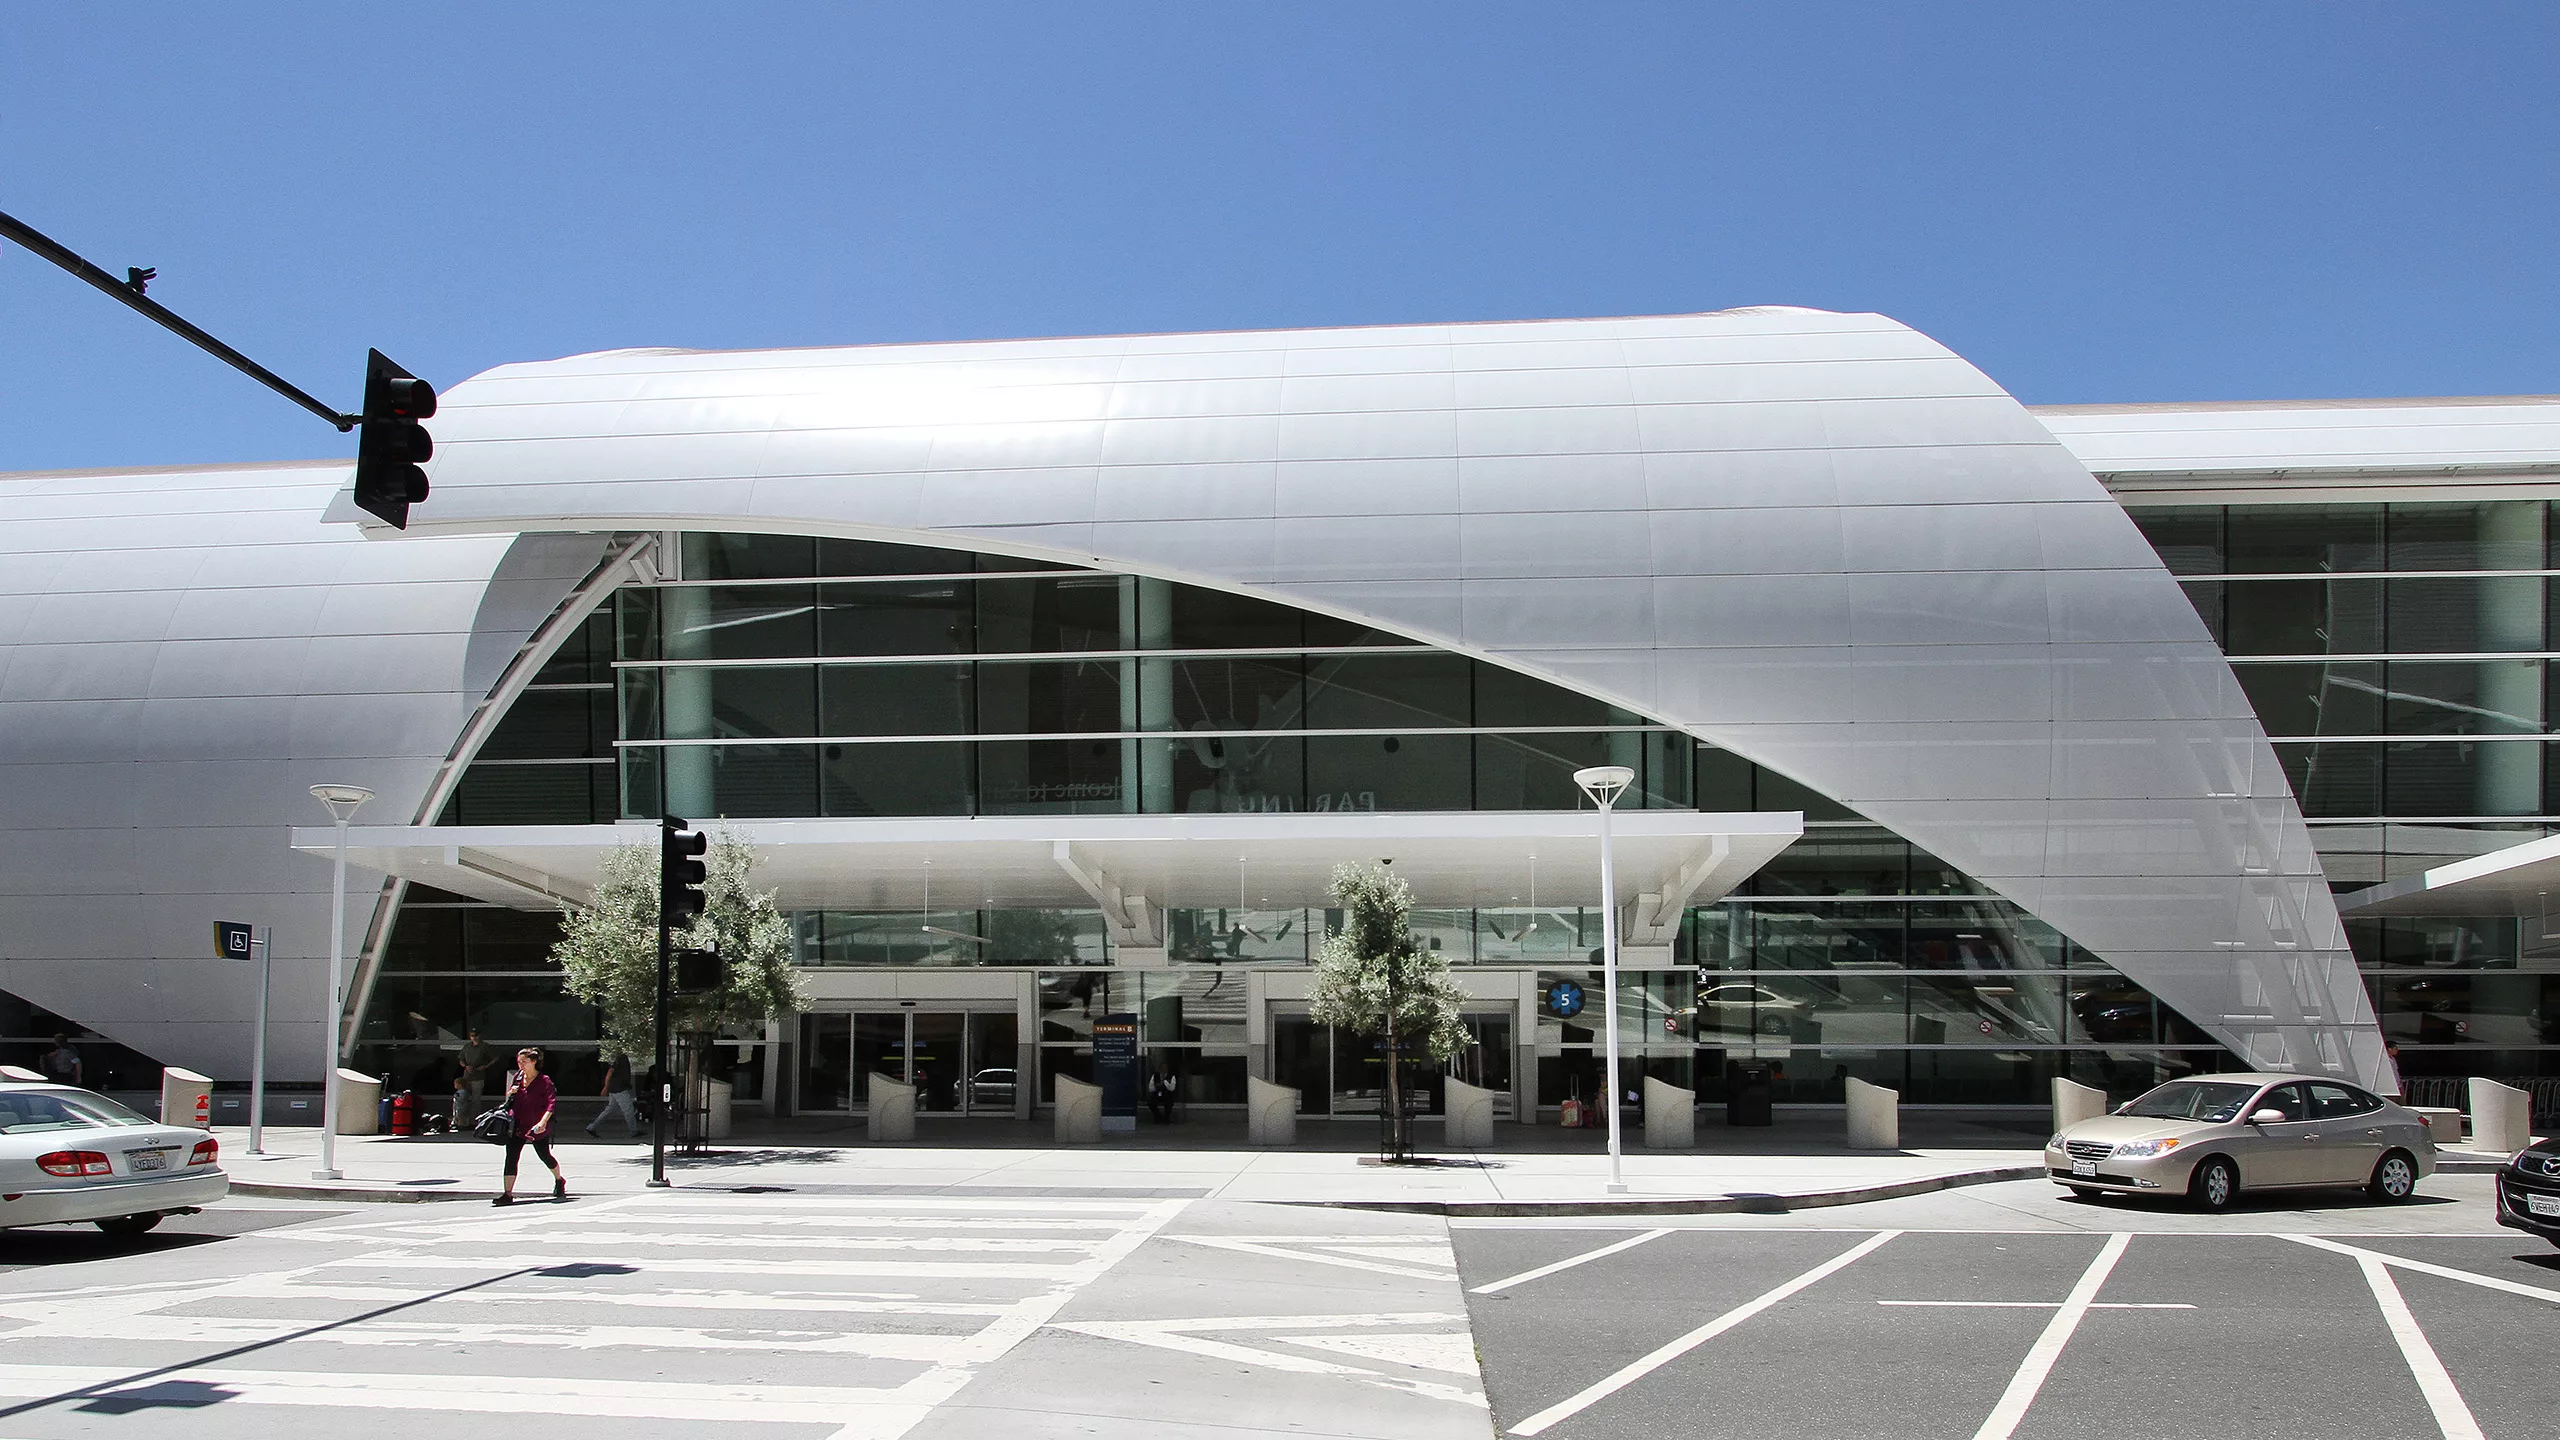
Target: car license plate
2542,1204
2084,1167
147,1159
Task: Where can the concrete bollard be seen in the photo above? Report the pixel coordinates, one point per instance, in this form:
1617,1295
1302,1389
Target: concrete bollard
892,1103
1270,1113
2501,1117
2074,1102
359,1104
1077,1116
2444,1125
719,1109
1468,1121
186,1098
1670,1116
1875,1116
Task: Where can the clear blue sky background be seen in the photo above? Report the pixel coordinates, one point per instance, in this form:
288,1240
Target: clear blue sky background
2118,202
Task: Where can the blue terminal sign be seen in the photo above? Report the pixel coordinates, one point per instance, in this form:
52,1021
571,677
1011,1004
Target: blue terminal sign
1564,999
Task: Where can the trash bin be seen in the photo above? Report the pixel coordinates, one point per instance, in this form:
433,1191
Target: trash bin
1747,1088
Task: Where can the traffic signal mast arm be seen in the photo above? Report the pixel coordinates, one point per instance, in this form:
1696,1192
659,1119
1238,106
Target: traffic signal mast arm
130,292
388,480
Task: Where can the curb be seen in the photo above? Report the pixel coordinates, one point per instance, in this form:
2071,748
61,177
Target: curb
384,1194
1745,1204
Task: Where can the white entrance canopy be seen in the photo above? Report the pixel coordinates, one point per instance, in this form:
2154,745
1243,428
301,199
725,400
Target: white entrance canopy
2518,880
1128,866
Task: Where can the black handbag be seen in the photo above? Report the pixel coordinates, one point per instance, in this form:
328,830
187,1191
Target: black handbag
497,1126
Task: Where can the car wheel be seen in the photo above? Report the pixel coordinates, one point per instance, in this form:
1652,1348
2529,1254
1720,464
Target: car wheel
2216,1184
1773,1024
2395,1179
128,1224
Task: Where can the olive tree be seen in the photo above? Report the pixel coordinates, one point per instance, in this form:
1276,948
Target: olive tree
608,953
1374,978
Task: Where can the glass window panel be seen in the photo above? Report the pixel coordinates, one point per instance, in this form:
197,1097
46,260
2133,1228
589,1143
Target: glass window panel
1854,863
2303,617
2208,596
1200,1006
1383,692
1069,1001
1667,775
768,701
1049,777
930,617
417,1009
1977,1009
866,780
1214,774
2334,780
2108,1009
1326,630
585,657
496,938
2512,1009
642,795
2487,697
826,1063
2289,539
748,622
1002,564
1985,934
1849,1009
1724,780
875,557
1826,937
748,780
1045,697
2344,698
2473,535
1507,697
2187,537
1045,937
545,725
749,557
565,794
1223,694
1198,619
2466,614
1773,791
527,1010
425,938
2445,779
1535,772
1933,876
1522,935
1080,612
896,699
1390,772
636,611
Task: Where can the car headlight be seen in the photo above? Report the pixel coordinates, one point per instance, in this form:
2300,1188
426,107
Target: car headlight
2055,1143
2138,1149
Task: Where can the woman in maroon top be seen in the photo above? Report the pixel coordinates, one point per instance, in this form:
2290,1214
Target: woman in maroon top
531,1098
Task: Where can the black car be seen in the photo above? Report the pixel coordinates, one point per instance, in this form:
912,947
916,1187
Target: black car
2529,1190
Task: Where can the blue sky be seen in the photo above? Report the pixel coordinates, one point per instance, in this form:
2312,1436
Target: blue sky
2154,202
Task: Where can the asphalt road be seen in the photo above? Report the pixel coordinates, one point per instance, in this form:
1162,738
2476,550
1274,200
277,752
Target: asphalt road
2012,1310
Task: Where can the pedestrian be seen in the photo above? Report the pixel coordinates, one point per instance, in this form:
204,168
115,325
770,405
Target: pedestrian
617,1098
478,1059
1162,1091
531,1097
61,1064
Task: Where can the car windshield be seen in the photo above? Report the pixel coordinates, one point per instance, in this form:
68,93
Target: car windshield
25,1111
2212,1101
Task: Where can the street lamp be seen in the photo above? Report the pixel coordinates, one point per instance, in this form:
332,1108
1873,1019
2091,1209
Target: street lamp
1604,784
342,801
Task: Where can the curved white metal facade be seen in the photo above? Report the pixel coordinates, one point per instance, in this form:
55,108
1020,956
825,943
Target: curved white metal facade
1822,541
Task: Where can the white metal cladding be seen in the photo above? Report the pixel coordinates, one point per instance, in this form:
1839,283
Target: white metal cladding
1822,541
183,654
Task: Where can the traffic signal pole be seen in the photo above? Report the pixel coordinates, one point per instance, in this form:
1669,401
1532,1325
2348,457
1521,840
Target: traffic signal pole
680,899
129,291
666,1091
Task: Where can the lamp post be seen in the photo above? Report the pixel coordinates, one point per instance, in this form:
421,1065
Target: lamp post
342,801
1604,784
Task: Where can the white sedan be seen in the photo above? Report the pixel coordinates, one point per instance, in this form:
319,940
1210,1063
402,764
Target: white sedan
68,1156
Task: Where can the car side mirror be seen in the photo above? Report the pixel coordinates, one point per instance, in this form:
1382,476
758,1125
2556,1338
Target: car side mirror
2269,1116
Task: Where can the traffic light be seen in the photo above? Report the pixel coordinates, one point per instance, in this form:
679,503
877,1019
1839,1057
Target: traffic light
393,444
680,873
698,972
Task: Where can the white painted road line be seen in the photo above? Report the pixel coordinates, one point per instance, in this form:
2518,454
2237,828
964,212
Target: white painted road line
2004,1418
1543,1271
2040,1304
2453,1417
1645,1365
2491,1282
1314,1250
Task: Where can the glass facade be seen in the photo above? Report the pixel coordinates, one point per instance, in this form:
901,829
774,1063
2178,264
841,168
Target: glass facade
2400,658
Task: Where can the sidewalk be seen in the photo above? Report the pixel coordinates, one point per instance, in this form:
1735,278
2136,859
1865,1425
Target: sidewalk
1800,1163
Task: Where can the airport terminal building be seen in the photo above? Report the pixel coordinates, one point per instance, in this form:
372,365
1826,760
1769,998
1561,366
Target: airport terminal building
1975,745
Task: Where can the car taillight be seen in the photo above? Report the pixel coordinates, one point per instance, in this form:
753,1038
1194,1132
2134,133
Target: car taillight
206,1152
72,1164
